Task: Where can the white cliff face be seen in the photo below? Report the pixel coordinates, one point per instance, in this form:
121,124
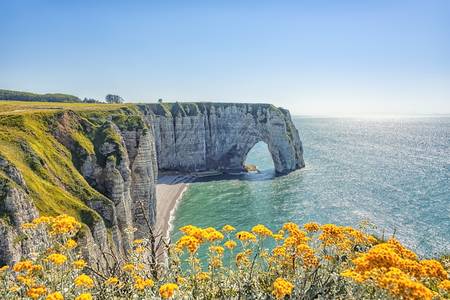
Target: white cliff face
17,208
218,136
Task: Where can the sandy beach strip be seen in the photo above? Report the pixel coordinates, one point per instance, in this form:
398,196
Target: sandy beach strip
169,191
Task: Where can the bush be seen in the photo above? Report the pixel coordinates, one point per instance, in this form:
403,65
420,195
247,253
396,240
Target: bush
315,261
24,96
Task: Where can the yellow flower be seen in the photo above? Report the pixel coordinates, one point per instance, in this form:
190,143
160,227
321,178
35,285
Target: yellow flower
141,283
281,288
181,280
242,258
43,219
36,292
23,266
139,250
189,242
433,268
202,276
279,251
85,296
128,268
55,296
307,255
216,262
57,259
228,228
26,280
112,281
193,231
3,269
71,244
167,290
212,234
262,230
84,281
278,237
311,227
401,285
79,264
35,269
217,249
230,244
245,236
64,224
445,285
138,242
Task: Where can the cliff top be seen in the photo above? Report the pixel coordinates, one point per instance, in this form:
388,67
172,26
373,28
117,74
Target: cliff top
19,107
196,108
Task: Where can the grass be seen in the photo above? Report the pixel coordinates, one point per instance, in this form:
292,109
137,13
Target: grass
51,170
22,107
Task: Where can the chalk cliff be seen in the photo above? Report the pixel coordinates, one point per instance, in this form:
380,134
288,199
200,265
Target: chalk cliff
99,163
218,136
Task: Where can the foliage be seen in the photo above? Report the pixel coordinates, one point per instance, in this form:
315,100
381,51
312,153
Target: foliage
113,99
315,261
91,100
24,96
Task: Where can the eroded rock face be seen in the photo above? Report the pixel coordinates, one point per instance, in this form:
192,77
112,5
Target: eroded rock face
124,170
17,208
217,136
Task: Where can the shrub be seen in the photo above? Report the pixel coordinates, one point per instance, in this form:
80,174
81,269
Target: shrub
309,262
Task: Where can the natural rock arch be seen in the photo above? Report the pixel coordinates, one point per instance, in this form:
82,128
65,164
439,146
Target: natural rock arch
194,137
263,159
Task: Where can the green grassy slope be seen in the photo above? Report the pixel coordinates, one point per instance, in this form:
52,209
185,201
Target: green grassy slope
27,140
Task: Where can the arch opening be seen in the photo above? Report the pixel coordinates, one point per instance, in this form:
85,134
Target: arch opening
259,159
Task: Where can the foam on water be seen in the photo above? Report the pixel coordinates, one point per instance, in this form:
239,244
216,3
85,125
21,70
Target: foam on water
393,172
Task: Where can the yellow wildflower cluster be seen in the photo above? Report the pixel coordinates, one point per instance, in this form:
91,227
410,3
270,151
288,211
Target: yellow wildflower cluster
245,236
141,283
57,259
280,264
262,230
282,288
85,281
228,228
397,269
167,290
62,224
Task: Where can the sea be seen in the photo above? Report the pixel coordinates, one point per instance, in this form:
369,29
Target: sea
387,175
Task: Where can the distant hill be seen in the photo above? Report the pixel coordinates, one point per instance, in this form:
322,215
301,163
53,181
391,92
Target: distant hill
25,96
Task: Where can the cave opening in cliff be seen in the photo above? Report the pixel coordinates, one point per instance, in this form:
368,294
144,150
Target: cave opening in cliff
259,159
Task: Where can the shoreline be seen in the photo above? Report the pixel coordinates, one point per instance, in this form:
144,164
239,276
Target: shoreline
169,192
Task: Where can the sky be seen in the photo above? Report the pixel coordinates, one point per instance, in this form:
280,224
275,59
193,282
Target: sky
312,57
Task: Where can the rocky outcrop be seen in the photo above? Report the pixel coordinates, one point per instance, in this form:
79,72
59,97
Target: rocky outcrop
123,169
16,208
218,136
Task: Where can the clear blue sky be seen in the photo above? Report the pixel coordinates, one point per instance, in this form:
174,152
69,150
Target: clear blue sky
313,57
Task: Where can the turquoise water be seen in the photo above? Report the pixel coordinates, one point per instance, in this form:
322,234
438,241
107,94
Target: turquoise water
394,173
